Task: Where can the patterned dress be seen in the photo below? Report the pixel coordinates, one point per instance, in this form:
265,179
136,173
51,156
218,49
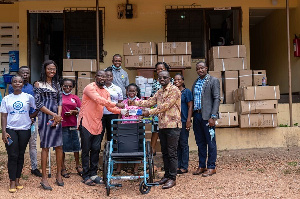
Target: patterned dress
50,97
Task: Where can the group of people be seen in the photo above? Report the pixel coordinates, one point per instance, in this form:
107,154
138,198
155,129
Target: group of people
61,113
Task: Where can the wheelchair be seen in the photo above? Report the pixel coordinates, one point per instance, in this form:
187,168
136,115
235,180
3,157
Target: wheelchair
128,145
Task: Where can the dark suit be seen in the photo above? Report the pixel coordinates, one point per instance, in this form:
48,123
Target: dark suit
210,101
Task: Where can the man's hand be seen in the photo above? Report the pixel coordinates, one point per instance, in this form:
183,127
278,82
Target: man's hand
211,122
145,113
188,125
120,105
124,112
73,112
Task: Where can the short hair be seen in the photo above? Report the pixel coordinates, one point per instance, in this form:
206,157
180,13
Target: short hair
116,55
179,74
17,75
163,63
24,67
66,79
201,62
167,72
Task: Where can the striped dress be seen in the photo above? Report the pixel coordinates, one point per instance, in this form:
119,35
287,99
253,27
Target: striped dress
50,97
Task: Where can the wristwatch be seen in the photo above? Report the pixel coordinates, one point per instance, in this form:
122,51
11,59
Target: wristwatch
215,117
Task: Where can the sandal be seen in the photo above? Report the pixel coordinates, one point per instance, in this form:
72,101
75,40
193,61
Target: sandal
65,175
79,172
88,182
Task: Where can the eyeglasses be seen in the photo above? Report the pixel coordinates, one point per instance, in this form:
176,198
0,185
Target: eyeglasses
163,77
67,86
51,69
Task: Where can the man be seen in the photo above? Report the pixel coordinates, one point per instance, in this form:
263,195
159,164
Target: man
206,92
24,72
94,98
168,100
120,76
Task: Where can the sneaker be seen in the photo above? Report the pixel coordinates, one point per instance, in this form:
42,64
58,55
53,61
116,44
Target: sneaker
36,172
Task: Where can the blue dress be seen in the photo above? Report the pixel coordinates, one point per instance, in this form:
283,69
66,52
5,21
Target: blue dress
51,98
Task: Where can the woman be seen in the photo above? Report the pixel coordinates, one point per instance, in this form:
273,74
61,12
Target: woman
116,95
48,99
186,115
160,66
70,109
16,123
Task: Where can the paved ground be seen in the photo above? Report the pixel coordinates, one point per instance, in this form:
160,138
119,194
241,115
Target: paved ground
257,173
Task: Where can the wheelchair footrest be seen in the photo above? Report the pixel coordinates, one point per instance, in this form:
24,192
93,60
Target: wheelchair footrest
153,184
116,185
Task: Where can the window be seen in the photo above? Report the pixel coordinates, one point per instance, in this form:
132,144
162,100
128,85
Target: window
80,33
204,28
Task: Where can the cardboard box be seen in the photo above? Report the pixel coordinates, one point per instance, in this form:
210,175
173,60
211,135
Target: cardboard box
176,60
226,108
245,78
140,48
258,76
258,120
218,75
257,93
228,64
79,65
140,61
230,84
261,106
228,120
222,52
174,48
70,75
84,78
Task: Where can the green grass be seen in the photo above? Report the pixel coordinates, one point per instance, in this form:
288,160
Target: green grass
261,170
292,163
24,177
287,171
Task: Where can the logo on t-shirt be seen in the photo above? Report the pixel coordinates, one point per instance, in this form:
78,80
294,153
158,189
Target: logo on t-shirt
72,100
18,105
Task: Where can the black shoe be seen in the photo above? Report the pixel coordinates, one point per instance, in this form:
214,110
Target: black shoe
61,184
169,184
46,187
162,181
36,172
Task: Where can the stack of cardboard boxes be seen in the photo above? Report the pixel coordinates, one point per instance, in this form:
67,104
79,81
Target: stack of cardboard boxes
257,106
145,85
142,54
80,70
175,54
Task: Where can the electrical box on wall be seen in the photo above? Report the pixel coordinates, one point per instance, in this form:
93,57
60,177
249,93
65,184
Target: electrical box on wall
126,11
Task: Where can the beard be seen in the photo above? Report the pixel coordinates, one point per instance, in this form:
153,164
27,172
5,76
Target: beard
100,84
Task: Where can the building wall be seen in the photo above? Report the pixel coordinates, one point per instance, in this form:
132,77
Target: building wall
148,26
9,13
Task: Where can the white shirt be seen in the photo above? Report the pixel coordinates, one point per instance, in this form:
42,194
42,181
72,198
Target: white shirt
17,107
116,94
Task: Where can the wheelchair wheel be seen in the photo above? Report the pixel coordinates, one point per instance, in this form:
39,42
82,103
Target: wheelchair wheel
105,161
143,188
150,162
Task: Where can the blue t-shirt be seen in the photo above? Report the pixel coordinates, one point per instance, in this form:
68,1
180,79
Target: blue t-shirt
186,96
27,88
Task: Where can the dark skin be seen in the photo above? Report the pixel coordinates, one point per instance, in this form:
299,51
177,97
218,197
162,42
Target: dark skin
100,80
178,81
17,84
201,70
50,73
117,61
67,88
164,80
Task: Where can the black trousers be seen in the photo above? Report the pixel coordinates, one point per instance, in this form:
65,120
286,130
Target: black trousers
16,152
169,142
90,149
106,125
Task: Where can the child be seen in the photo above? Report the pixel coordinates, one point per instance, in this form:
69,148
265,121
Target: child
133,93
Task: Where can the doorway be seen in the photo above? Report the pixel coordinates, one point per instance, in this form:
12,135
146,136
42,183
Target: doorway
45,41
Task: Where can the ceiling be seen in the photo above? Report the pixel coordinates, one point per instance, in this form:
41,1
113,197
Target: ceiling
258,15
